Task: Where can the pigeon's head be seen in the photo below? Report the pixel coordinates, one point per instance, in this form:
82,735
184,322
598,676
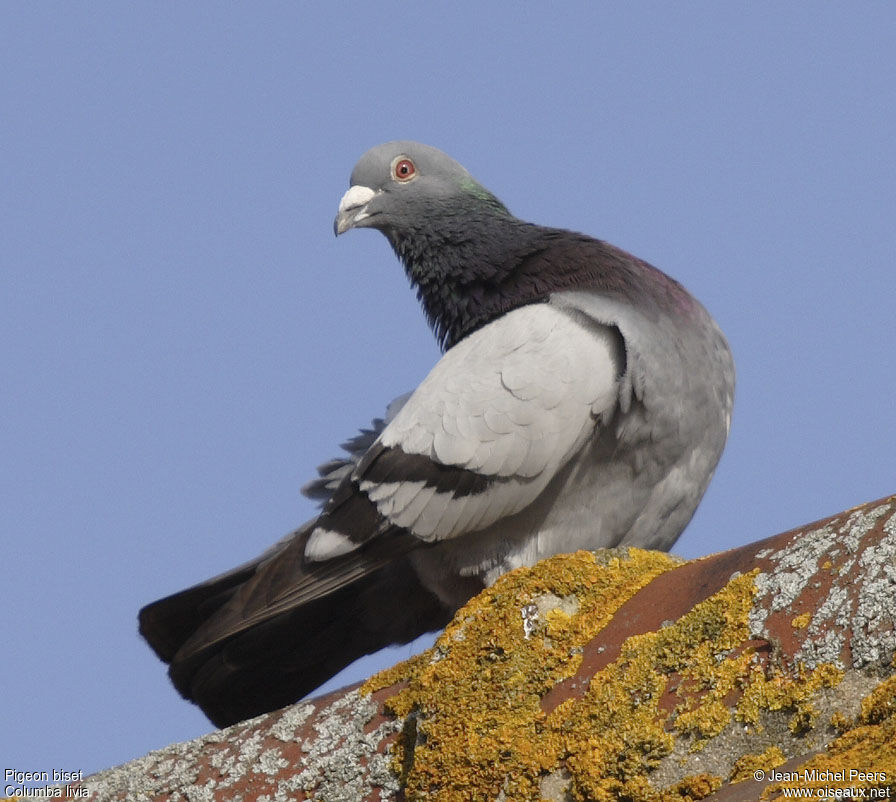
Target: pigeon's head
397,185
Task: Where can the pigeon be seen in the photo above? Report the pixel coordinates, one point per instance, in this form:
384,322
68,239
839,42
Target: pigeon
582,401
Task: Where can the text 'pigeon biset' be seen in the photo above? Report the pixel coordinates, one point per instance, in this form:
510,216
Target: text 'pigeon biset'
583,401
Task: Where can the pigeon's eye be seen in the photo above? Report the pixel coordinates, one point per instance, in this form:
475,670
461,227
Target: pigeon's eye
403,169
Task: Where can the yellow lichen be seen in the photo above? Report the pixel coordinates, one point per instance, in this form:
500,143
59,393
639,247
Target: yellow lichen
880,704
783,692
745,768
804,719
862,758
708,719
474,723
477,693
697,786
392,676
801,621
618,732
840,722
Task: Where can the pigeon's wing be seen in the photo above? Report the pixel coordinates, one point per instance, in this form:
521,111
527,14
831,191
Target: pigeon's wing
484,433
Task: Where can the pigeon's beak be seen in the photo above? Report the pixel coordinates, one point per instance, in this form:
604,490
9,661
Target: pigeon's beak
352,208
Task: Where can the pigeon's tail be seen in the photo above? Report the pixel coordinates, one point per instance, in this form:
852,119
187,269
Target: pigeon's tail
235,649
168,623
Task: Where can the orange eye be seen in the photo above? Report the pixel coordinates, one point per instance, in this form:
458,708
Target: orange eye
403,170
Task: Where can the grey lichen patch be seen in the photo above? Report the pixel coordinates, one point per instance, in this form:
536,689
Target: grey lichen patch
890,526
270,762
825,633
795,565
290,723
199,793
874,614
235,765
178,772
173,770
342,761
860,524
858,614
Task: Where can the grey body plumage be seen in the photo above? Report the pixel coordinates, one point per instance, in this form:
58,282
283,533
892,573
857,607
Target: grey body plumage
583,401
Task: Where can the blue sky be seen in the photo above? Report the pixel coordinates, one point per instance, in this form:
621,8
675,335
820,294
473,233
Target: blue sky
182,340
